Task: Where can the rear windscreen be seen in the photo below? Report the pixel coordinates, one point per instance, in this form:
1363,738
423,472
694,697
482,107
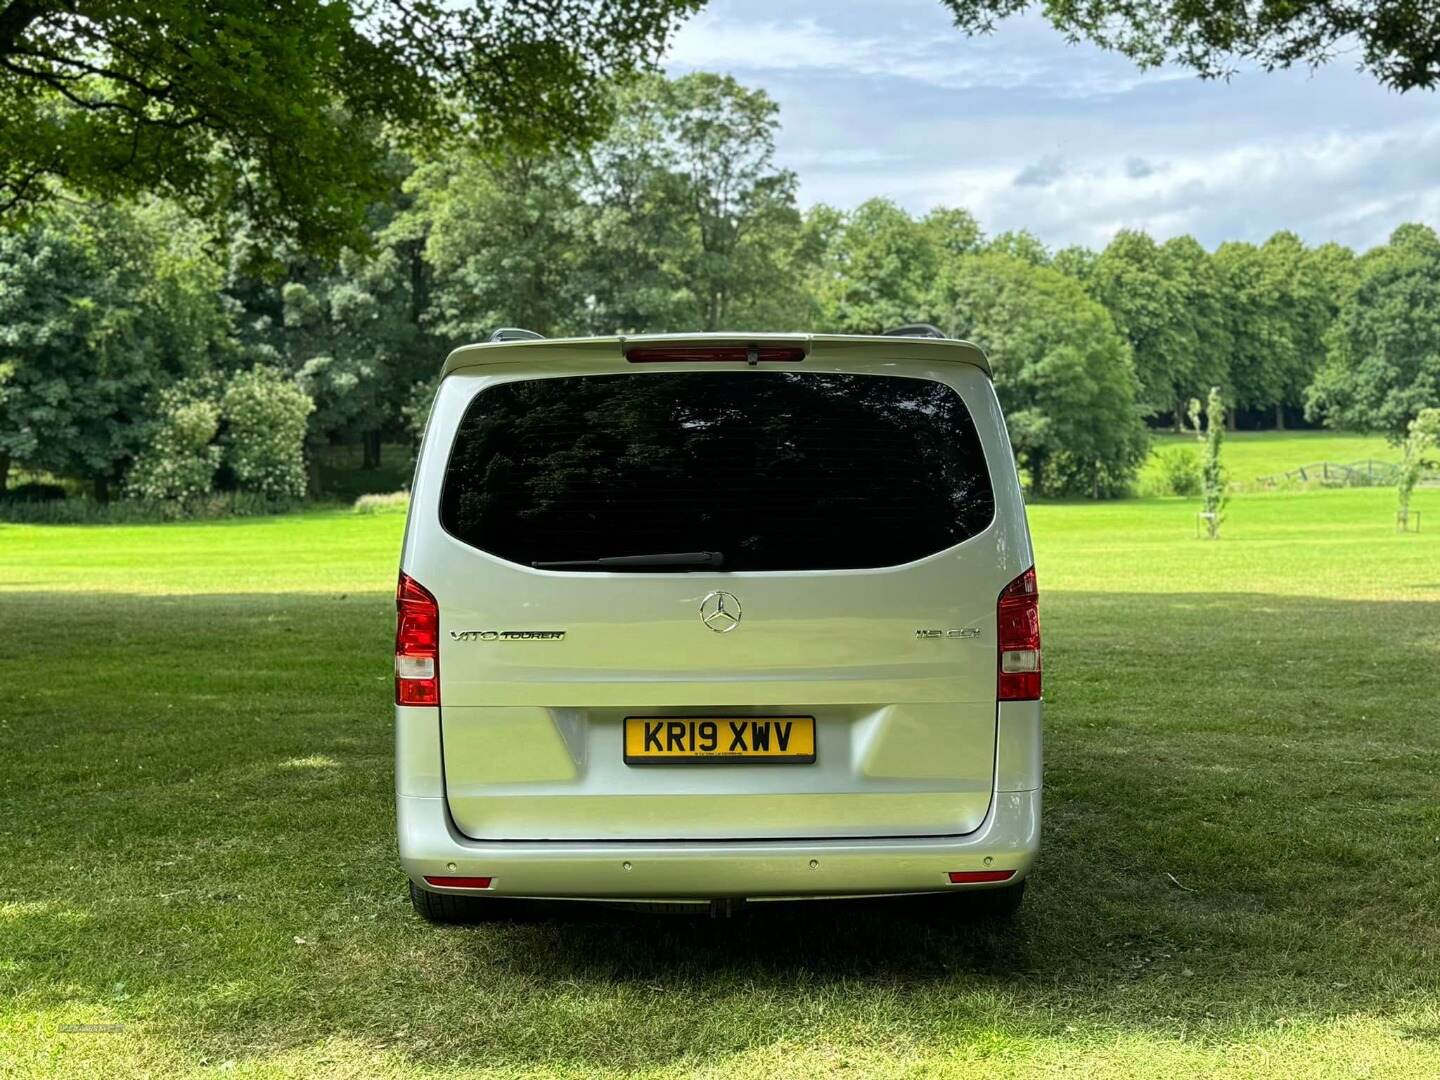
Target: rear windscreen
775,470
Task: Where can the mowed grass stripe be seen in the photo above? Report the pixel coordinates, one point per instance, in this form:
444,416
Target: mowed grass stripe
322,552
1241,871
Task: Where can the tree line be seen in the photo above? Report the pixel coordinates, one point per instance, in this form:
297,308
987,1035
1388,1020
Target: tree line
148,351
274,106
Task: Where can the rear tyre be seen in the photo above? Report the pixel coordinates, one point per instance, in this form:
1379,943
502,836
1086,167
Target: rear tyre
447,909
997,905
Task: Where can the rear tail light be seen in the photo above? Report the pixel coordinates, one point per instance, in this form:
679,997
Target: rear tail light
1018,614
417,644
979,877
685,354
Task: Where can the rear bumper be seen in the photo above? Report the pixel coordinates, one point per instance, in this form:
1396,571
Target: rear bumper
1007,839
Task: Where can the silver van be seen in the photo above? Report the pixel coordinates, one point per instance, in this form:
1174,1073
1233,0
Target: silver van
714,618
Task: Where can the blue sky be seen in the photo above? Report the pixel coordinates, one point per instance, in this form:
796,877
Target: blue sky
885,97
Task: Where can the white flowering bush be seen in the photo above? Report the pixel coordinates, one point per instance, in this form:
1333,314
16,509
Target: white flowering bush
180,458
265,415
378,503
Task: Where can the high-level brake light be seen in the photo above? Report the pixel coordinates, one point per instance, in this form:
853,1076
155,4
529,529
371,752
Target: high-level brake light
1018,615
689,354
417,644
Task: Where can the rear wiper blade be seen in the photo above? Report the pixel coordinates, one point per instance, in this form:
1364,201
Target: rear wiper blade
688,560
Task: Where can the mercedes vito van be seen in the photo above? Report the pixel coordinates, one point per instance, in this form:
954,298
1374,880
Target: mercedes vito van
713,618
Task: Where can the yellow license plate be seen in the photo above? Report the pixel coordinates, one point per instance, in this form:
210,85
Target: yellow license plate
719,740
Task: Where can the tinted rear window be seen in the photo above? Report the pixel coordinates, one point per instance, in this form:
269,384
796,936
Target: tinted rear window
776,470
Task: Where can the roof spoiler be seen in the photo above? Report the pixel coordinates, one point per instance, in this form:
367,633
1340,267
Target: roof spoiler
815,346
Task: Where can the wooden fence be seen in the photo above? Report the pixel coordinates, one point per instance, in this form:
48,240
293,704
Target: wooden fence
1367,473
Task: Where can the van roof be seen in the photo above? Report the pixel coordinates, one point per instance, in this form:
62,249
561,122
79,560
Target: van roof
906,348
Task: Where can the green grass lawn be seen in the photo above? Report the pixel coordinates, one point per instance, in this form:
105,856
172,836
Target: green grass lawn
1252,454
1241,871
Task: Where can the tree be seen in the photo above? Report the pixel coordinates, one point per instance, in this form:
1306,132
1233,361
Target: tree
1251,317
352,341
278,104
352,330
1075,261
1382,361
817,267
505,243
952,232
1204,314
690,224
99,308
1399,39
1062,370
1020,244
878,269
1132,279
1278,318
1167,299
1336,273
415,413
1306,308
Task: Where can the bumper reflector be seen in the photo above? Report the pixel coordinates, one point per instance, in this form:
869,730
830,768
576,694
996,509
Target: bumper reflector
975,877
459,882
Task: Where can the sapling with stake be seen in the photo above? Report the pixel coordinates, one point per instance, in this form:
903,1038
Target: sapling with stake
1212,473
1423,436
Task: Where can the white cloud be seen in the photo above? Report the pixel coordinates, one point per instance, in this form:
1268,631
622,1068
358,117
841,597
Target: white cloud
1307,183
885,97
714,40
